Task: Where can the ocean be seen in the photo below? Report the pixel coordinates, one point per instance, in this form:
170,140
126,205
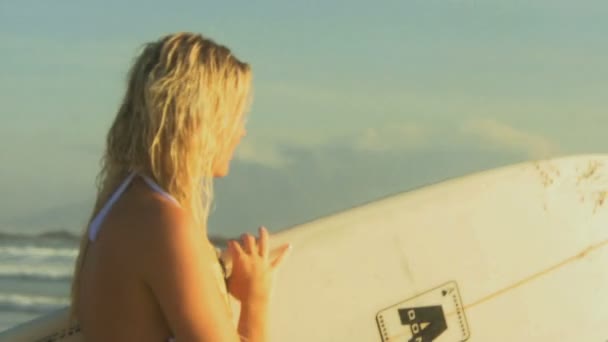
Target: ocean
35,274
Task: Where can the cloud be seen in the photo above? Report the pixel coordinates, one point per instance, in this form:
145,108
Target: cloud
481,133
504,136
264,153
273,152
400,137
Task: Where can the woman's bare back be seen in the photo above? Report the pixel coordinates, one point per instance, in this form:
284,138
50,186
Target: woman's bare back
115,302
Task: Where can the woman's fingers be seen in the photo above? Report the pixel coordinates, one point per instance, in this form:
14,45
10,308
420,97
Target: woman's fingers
283,251
235,249
263,242
249,244
260,247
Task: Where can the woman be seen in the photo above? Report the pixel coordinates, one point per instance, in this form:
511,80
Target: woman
146,269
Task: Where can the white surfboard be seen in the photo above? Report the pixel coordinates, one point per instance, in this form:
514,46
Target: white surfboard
514,254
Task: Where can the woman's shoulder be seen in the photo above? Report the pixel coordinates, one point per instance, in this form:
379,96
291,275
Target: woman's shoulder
150,225
165,225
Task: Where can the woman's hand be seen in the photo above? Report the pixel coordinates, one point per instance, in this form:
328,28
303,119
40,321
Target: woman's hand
253,270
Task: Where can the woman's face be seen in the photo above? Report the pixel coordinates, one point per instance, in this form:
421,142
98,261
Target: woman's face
221,164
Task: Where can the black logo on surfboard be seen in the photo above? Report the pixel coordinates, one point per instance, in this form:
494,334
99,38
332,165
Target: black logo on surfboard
433,316
426,323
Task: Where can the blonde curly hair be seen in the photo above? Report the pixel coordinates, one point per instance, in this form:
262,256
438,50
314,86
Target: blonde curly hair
186,98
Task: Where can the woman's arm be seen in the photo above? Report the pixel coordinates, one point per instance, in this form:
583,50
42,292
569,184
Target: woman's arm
253,322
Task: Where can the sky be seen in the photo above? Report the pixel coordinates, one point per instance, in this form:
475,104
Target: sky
354,100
